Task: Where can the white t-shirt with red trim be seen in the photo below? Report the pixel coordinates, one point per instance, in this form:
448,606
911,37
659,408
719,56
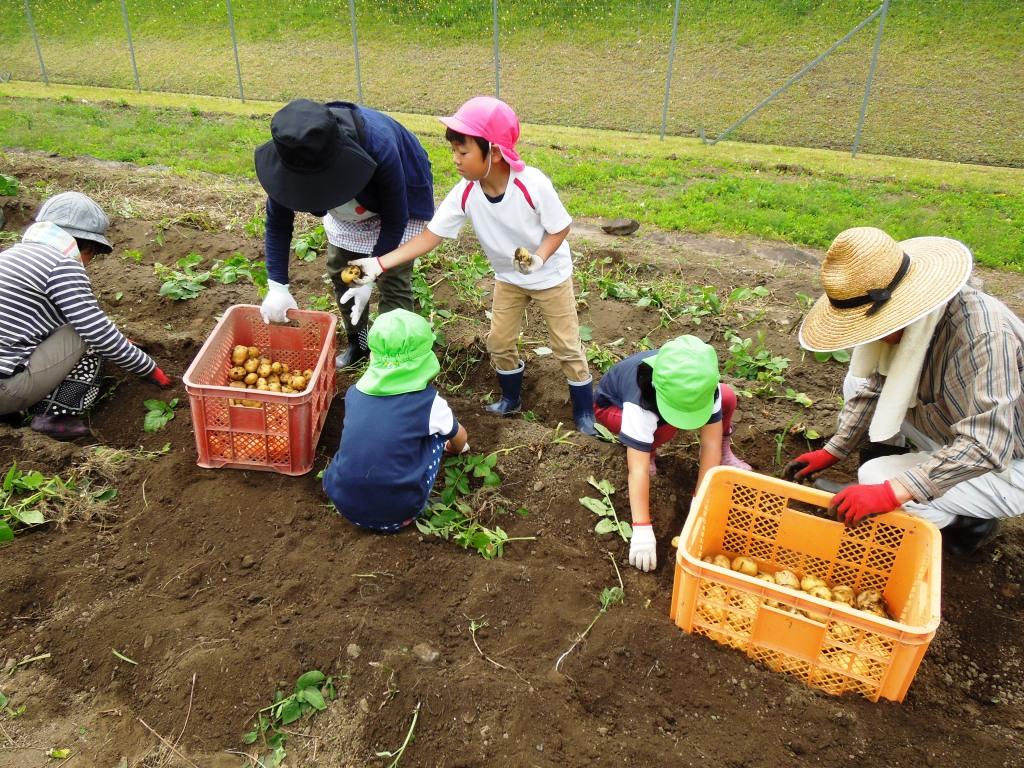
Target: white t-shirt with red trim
529,210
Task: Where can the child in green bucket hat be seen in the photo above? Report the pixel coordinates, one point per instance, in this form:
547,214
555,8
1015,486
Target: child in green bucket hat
645,399
396,429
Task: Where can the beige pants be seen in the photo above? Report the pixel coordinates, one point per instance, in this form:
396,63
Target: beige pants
558,307
51,361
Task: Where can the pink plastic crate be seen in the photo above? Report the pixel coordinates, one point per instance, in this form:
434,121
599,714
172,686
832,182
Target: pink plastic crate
282,432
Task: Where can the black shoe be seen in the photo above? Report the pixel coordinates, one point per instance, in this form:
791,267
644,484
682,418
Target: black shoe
965,536
877,450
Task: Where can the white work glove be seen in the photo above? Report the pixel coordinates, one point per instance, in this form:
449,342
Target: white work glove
450,452
371,269
528,267
277,303
643,548
359,295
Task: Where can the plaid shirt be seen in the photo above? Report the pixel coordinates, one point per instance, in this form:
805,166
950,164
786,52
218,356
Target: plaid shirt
970,398
362,236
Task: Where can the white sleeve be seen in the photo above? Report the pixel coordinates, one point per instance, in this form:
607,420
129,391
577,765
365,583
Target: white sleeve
553,216
442,420
638,425
449,217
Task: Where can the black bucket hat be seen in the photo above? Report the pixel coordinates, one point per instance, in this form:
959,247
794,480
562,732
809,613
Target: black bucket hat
311,164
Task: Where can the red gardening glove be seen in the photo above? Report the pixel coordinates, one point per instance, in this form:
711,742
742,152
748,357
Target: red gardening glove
160,378
807,464
858,502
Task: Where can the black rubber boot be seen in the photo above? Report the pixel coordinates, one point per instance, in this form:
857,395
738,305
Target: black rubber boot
965,536
357,350
511,383
582,396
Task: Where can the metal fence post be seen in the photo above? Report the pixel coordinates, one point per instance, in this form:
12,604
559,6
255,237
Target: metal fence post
871,75
497,52
668,75
131,46
355,49
234,44
35,39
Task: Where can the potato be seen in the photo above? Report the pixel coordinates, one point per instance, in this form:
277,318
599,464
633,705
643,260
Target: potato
250,365
239,355
877,609
261,381
308,374
674,543
522,256
711,612
285,368
262,387
264,360
254,352
867,597
237,384
287,390
842,594
808,582
264,370
842,632
285,379
821,592
788,579
251,386
744,565
351,273
273,386
250,378
251,403
237,373
298,383
272,379
276,368
765,577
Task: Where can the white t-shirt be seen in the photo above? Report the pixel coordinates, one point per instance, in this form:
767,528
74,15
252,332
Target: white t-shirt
526,213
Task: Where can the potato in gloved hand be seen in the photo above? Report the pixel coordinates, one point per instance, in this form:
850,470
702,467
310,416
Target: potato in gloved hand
351,273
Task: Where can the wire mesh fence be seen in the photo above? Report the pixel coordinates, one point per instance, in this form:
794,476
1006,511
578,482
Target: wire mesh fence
928,78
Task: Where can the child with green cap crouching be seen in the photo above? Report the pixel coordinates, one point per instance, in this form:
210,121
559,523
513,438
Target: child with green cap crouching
645,399
396,429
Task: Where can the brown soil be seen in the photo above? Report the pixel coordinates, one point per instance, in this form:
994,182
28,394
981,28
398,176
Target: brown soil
224,585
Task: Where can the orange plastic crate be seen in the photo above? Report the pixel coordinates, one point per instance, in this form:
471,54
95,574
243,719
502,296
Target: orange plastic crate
281,434
839,649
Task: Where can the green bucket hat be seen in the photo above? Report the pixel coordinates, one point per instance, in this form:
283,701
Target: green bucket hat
685,378
402,355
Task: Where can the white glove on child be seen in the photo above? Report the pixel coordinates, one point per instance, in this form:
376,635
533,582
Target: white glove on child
371,269
359,295
643,548
277,303
529,267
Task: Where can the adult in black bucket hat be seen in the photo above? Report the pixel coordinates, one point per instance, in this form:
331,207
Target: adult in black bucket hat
370,180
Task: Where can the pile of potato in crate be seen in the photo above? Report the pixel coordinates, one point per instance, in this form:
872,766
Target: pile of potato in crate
251,369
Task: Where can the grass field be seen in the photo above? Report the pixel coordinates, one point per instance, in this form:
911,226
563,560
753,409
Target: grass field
948,84
803,196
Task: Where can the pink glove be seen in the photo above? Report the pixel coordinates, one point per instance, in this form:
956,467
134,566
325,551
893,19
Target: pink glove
858,502
807,464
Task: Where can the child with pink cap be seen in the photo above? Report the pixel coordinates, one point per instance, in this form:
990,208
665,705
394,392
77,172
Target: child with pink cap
512,207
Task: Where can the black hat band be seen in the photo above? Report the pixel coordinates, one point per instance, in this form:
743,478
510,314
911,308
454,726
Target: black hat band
876,296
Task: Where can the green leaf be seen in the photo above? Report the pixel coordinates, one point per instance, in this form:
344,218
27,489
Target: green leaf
6,534
3,700
12,473
119,295
312,678
315,699
250,737
29,516
155,405
625,530
154,421
492,479
597,506
106,495
491,460
586,333
841,355
290,711
605,525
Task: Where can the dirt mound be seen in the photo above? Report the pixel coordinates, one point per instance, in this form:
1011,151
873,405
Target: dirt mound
226,585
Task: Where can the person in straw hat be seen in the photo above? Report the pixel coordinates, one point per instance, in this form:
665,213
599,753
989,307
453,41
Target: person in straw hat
396,429
943,367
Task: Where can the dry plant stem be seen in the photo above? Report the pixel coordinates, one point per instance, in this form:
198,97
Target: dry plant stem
558,662
166,743
253,760
191,694
616,567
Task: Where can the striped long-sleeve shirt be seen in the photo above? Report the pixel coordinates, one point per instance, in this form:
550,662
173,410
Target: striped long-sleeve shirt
43,288
970,398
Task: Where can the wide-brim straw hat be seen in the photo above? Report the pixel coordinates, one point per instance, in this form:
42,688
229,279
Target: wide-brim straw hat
875,285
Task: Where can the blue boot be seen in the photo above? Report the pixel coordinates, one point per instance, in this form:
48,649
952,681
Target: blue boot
582,395
511,383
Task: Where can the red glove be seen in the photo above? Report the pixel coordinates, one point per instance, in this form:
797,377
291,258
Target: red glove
160,378
853,504
807,464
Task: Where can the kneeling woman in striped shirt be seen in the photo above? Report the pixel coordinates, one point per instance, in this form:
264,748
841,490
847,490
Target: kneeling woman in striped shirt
53,335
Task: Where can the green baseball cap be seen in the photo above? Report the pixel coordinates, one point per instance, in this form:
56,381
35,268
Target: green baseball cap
402,355
685,379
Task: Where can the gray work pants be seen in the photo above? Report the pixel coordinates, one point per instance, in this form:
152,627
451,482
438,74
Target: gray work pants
48,366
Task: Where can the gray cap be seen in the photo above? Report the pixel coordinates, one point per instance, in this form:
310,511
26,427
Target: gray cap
78,215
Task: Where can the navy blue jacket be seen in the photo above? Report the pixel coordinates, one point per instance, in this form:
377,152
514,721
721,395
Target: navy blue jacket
401,188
